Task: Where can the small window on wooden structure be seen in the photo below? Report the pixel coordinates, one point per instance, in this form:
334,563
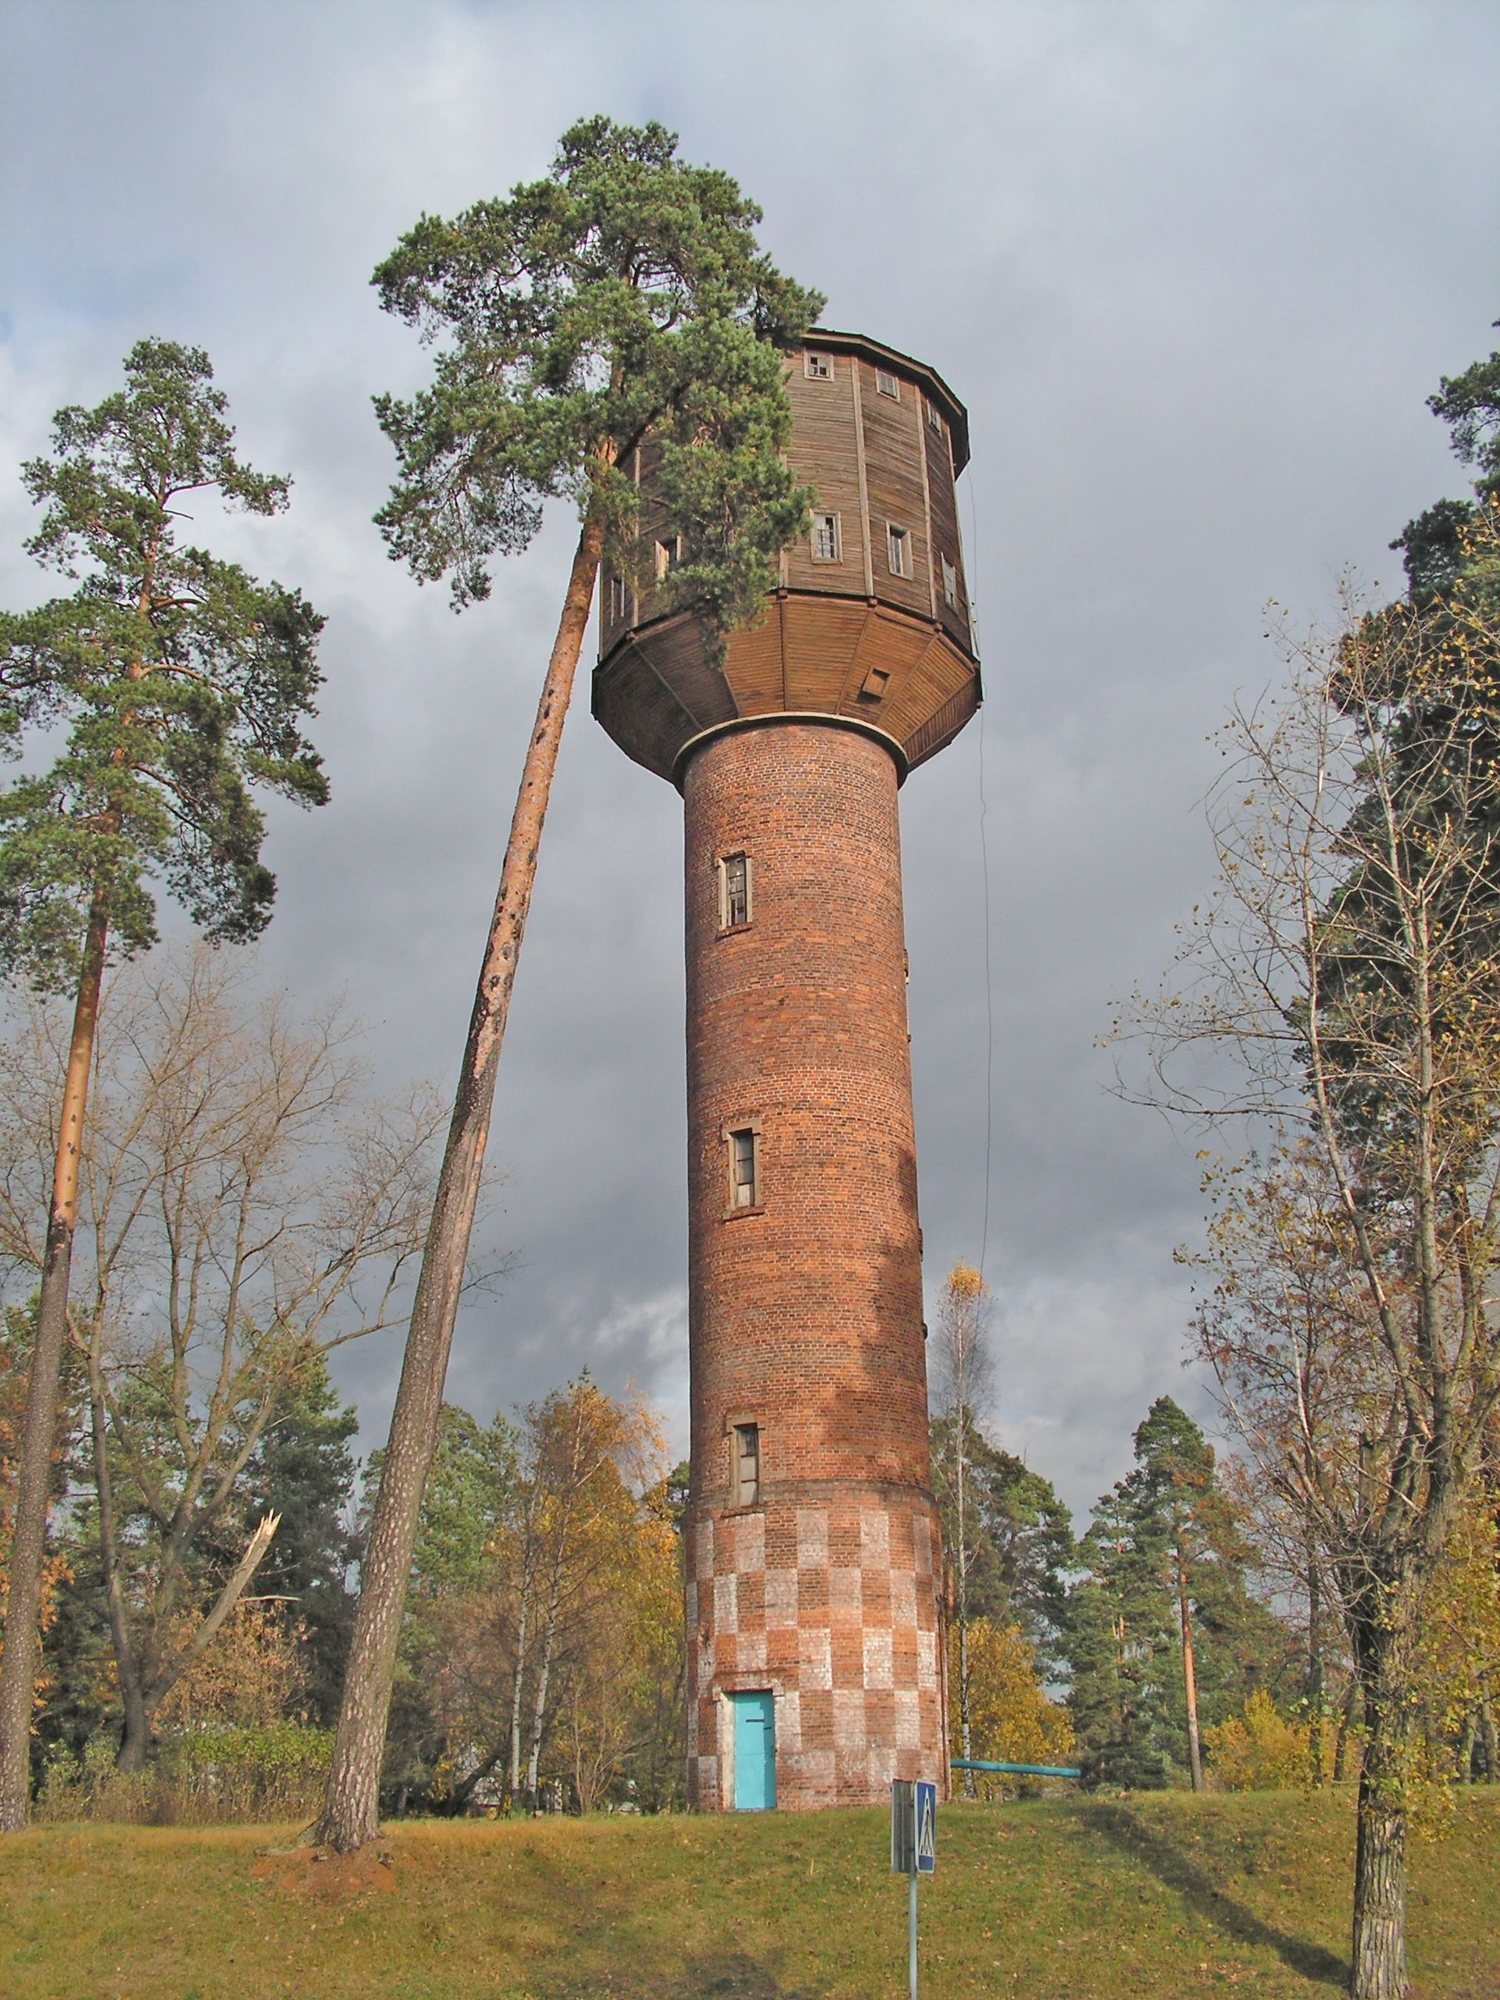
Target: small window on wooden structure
886,383
817,367
934,417
950,584
874,685
825,538
747,1465
744,1167
734,891
619,599
668,554
898,550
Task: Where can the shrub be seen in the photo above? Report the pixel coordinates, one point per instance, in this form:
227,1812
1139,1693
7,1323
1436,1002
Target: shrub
206,1776
1258,1750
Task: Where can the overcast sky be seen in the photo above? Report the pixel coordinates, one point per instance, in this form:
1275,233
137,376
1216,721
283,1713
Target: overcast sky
1193,269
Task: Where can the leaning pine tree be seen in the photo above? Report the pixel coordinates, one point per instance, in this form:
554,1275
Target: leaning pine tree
179,682
621,298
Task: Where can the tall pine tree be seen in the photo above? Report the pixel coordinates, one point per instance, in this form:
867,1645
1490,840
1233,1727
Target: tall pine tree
620,298
178,684
1163,1625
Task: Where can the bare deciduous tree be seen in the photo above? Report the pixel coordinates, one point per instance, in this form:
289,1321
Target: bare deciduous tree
244,1209
1346,967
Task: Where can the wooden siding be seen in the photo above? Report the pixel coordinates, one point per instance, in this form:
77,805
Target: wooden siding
893,474
875,462
753,668
657,690
822,640
839,638
653,522
825,454
947,537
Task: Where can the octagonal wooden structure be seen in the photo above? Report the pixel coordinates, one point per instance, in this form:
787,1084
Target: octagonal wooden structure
870,622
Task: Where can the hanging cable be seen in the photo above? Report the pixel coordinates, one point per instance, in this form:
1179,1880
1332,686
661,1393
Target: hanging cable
989,988
989,1010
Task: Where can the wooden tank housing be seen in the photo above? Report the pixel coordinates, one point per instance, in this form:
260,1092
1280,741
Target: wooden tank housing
870,622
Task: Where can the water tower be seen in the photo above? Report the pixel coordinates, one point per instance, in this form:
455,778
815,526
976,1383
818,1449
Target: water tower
813,1561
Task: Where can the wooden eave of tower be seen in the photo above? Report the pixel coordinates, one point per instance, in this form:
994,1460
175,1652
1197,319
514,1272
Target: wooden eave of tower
850,641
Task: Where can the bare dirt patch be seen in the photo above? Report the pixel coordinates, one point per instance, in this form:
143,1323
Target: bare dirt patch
318,1875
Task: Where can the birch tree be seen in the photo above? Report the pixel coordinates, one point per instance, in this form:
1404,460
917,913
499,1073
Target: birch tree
964,1373
544,1631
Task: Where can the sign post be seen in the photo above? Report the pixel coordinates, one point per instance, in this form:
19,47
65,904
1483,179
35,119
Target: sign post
913,1851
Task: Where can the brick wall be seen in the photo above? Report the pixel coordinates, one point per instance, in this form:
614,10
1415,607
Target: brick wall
805,1308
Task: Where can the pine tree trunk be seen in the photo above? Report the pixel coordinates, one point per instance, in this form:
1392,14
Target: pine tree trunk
350,1814
1189,1678
39,1427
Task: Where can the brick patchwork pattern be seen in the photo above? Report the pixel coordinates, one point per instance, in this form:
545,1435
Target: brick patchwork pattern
835,1609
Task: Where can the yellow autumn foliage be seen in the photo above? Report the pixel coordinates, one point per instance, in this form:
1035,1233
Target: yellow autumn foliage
1259,1750
1458,1646
1011,1716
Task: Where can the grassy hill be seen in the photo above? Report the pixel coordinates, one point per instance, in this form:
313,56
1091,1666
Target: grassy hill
1067,1899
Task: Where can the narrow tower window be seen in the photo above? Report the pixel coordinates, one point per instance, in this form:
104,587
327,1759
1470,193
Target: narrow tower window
747,1465
950,584
668,554
898,550
825,537
744,1168
619,599
818,367
934,418
734,891
887,384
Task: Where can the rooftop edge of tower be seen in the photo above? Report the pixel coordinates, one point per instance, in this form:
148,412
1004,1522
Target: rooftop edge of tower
877,353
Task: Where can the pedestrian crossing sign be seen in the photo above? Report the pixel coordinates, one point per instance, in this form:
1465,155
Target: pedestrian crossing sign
926,1817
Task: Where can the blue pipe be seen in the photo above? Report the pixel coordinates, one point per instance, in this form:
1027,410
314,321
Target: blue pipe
1022,1770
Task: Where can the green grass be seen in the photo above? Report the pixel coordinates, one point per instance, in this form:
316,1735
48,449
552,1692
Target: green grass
1073,1899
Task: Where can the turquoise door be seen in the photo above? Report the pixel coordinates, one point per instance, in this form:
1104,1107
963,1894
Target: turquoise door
754,1752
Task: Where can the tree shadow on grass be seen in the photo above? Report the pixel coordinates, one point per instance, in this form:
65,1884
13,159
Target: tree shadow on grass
1169,1865
730,1975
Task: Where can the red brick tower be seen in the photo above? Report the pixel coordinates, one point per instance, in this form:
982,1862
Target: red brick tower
815,1658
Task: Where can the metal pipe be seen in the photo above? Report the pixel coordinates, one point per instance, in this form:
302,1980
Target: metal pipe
1022,1770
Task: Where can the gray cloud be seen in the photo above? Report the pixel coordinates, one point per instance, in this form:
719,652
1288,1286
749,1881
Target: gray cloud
1194,270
